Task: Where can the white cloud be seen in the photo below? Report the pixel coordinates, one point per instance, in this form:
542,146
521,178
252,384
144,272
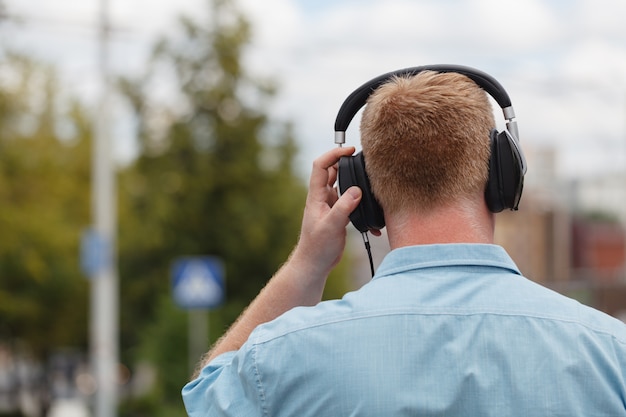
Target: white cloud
540,51
604,19
519,26
595,61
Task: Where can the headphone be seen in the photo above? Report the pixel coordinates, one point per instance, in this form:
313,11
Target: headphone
507,164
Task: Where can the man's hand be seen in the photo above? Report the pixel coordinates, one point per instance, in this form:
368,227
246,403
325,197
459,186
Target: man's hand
301,280
323,234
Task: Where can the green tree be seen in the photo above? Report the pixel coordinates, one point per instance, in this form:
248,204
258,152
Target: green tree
214,176
44,184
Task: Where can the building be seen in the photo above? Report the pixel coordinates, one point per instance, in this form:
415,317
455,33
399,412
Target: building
569,235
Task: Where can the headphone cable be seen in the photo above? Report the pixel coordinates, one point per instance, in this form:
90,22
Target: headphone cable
368,248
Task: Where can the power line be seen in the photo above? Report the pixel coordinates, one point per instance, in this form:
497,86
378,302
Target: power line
56,24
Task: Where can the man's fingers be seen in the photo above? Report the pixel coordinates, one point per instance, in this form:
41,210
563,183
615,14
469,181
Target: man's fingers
320,175
332,175
344,206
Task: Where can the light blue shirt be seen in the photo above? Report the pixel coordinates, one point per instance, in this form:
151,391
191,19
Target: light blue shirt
442,330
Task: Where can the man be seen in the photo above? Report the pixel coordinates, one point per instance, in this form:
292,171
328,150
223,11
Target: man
447,327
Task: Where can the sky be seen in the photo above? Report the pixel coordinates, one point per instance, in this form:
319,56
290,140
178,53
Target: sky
563,62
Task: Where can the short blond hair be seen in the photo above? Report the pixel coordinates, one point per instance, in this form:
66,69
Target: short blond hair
425,140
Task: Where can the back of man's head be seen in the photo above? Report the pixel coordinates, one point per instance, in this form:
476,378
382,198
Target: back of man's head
426,141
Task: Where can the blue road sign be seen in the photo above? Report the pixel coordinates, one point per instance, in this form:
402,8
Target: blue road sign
95,252
198,282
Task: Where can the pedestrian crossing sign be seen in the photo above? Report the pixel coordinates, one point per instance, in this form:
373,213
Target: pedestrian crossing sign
198,282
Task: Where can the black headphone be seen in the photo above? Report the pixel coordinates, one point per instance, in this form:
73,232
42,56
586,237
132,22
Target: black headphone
507,165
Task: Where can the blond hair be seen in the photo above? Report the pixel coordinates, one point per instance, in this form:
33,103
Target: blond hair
426,140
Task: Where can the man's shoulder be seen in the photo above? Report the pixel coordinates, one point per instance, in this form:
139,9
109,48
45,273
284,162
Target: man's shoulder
603,323
302,319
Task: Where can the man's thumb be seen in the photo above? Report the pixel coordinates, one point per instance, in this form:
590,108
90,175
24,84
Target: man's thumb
348,201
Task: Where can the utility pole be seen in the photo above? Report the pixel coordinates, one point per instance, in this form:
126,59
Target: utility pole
104,280
3,12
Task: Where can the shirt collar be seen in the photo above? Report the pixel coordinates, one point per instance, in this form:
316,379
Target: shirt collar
440,255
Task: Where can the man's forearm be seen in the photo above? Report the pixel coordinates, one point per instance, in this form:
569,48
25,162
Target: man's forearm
282,293
300,281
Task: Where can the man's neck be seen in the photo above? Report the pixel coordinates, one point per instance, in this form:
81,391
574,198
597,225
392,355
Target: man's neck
462,223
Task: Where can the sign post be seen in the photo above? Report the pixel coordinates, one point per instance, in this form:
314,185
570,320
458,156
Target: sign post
198,285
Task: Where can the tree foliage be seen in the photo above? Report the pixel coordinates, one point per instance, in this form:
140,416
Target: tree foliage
214,177
44,205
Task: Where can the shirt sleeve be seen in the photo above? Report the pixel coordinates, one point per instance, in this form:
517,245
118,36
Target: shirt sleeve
227,386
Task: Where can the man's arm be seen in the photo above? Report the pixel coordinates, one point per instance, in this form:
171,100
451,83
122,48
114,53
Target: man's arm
300,281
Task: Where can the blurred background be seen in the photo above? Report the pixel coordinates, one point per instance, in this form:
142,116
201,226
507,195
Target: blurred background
155,130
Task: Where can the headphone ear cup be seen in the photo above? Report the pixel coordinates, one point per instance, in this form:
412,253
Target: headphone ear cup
506,180
369,214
